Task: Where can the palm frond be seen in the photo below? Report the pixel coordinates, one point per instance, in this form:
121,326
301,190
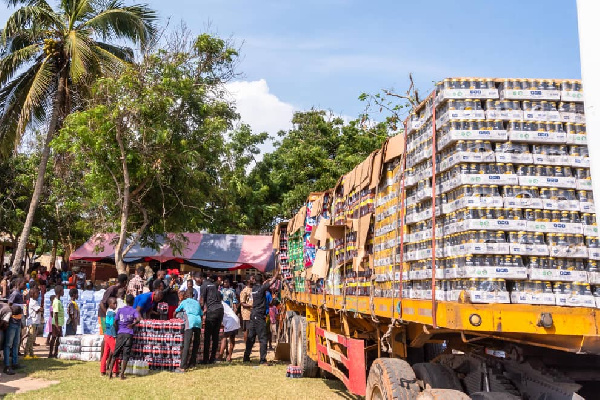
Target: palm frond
77,46
10,63
135,23
34,17
124,53
108,62
21,100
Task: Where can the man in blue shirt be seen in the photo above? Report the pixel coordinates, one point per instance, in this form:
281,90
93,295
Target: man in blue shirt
144,302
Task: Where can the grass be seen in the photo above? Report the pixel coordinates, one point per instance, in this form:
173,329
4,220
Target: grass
82,380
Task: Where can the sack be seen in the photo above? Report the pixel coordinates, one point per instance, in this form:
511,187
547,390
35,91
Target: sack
68,356
90,356
69,348
92,340
71,340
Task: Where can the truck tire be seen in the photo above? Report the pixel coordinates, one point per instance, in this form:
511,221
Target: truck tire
293,338
494,396
442,394
436,376
391,379
308,366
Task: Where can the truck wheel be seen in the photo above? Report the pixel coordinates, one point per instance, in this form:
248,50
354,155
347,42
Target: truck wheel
308,366
293,338
391,379
436,376
442,394
494,396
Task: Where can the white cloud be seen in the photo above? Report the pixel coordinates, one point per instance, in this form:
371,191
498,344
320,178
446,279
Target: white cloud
260,108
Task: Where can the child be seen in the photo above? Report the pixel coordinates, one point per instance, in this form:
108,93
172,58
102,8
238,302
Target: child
48,327
73,313
231,324
33,321
193,323
125,320
109,335
58,320
274,323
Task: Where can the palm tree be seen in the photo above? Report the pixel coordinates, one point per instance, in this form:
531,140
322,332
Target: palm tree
48,61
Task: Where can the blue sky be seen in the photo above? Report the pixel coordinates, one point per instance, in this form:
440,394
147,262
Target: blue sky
324,53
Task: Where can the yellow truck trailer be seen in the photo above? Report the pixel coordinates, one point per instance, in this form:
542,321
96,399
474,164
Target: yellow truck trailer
382,303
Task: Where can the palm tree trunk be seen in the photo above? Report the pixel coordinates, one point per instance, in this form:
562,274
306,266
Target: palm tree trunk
57,115
125,205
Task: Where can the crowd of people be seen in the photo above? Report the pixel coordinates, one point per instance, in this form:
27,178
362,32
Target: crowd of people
207,304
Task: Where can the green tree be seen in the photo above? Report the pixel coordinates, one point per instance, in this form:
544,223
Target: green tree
49,59
152,143
308,158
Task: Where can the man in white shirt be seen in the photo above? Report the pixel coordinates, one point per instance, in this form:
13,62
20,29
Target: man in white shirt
231,324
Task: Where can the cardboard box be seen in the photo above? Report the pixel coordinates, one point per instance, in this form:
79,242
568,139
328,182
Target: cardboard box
494,272
576,138
568,251
445,94
506,115
454,135
562,205
544,159
541,116
453,115
549,181
522,202
537,136
466,157
529,249
514,158
555,227
530,95
571,95
557,275
575,300
482,297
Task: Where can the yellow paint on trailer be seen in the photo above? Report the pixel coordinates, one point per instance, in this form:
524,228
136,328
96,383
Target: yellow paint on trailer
496,319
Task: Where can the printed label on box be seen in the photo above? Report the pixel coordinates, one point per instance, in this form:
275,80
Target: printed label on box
504,114
576,138
541,116
544,159
522,202
563,205
568,251
593,253
479,296
594,278
586,207
578,161
548,181
466,156
530,94
590,230
571,95
537,136
489,179
558,275
532,298
555,227
494,224
584,184
515,158
529,249
477,248
451,115
467,94
494,272
575,300
454,135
